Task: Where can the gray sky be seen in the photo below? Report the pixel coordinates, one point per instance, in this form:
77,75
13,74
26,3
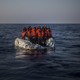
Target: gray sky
39,11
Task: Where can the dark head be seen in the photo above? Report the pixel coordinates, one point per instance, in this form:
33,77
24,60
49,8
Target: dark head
49,29
29,27
24,29
35,28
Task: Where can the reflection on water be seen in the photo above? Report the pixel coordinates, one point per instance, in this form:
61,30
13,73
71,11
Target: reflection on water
30,53
22,53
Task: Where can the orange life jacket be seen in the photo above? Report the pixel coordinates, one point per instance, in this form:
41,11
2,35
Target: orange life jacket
43,33
39,35
29,33
23,34
33,32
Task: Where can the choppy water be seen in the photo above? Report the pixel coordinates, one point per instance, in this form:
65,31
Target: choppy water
61,64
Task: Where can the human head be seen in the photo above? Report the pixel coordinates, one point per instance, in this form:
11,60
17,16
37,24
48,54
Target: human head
35,28
24,29
29,27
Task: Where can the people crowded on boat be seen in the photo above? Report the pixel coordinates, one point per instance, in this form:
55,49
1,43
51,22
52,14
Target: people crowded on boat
37,34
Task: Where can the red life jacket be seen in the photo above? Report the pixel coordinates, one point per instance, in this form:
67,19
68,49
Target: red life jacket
43,33
38,31
33,32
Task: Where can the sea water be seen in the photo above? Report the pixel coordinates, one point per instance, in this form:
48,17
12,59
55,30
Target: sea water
63,63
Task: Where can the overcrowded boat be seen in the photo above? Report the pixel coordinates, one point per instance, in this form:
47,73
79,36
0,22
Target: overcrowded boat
35,38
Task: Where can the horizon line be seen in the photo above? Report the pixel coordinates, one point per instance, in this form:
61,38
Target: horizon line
40,23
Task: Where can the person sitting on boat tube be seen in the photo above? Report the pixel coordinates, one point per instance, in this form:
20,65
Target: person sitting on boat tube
33,35
43,35
23,33
48,33
39,35
29,32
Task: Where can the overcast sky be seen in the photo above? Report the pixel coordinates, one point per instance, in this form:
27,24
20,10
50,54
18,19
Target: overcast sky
39,11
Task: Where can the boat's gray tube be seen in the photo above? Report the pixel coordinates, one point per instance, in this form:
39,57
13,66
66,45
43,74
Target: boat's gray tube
26,44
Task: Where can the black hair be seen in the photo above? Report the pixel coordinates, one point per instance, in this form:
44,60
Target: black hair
24,29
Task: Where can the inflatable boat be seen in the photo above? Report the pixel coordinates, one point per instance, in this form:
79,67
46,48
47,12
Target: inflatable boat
27,45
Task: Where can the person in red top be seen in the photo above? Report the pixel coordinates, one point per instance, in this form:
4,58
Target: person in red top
29,32
33,35
42,33
39,35
43,37
48,33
